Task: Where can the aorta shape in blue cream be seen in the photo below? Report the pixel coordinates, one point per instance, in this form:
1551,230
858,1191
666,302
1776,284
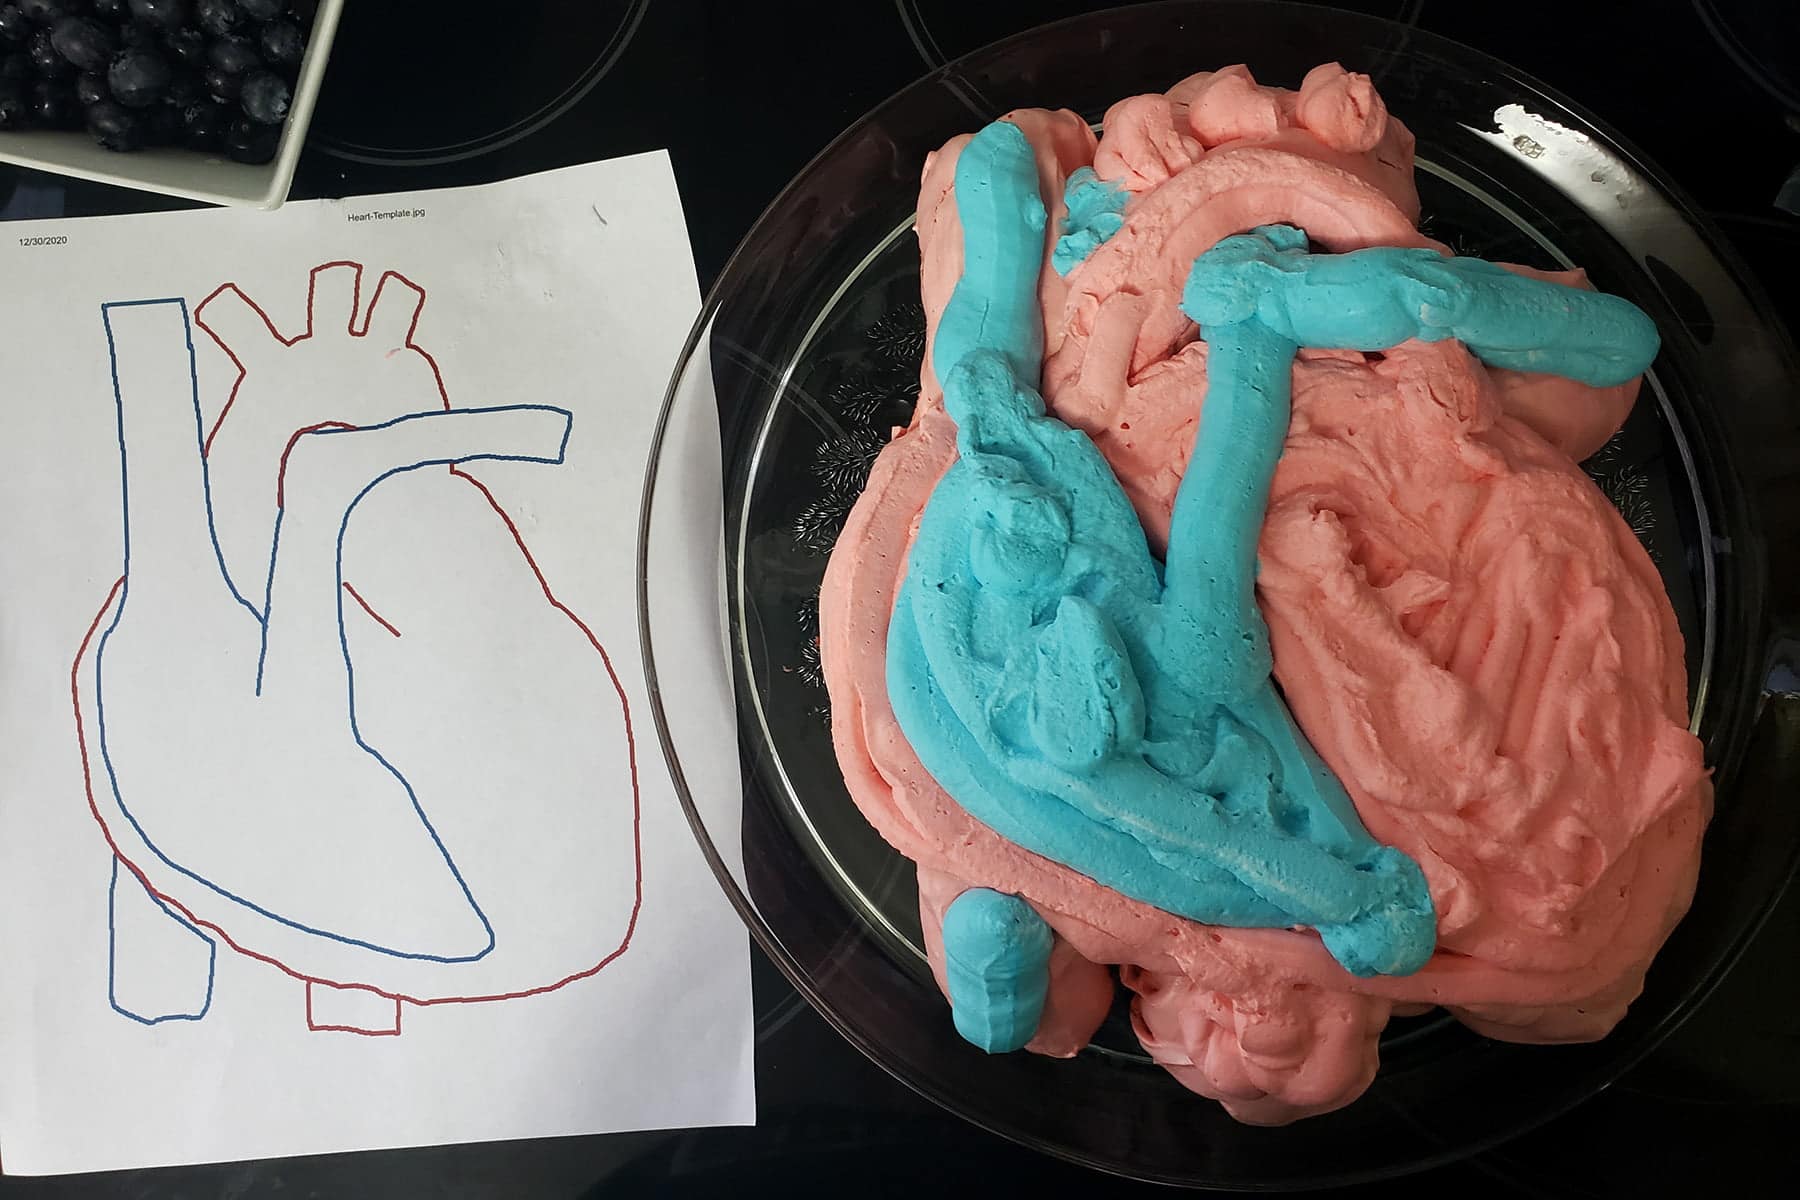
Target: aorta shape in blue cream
1117,714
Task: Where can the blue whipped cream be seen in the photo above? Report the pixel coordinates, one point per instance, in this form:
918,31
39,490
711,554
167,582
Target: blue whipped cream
1095,210
1117,714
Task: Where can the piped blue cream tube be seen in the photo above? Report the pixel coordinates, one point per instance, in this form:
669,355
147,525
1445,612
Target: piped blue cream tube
1375,299
997,966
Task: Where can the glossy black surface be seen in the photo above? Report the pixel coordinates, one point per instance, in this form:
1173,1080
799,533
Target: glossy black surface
743,104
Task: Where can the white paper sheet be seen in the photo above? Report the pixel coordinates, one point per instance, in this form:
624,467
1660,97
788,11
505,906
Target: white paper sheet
331,812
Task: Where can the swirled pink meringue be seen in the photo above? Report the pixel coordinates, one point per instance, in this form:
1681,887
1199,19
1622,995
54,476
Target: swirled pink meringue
1463,626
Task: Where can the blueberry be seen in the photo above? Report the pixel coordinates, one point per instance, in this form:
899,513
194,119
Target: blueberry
266,97
115,127
220,18
248,142
139,78
162,125
85,42
222,87
185,87
187,45
112,10
234,55
262,10
15,26
133,36
45,58
47,12
203,125
43,11
305,11
161,14
16,65
91,88
282,42
15,106
53,104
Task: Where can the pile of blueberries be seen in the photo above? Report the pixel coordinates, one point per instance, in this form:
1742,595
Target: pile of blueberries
212,75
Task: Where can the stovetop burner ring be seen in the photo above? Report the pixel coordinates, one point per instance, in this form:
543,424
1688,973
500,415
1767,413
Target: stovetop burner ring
392,109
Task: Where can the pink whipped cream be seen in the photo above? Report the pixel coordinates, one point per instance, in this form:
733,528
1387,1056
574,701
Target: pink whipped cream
1464,628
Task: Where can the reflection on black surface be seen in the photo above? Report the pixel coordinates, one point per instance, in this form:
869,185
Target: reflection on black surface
940,30
443,80
1763,37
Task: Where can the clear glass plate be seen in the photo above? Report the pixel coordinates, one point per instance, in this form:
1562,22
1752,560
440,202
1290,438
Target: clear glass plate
809,346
